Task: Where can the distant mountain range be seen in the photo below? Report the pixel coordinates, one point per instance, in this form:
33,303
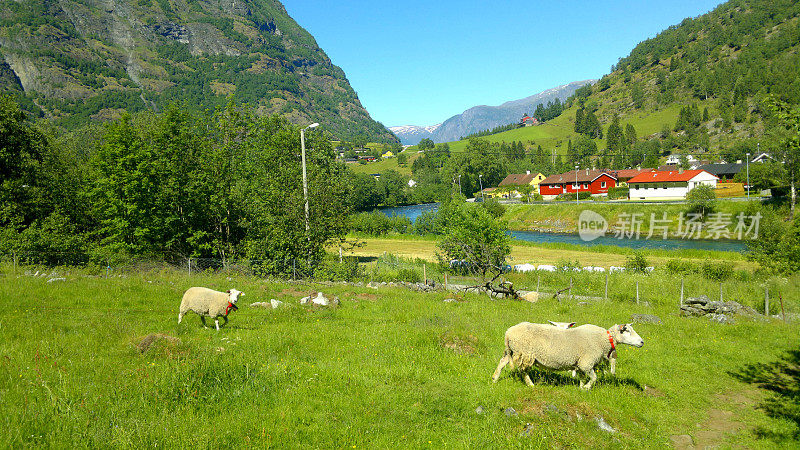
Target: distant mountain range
479,118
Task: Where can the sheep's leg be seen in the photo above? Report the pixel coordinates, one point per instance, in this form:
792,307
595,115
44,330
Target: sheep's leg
226,320
203,319
613,363
592,377
216,322
527,379
180,317
503,361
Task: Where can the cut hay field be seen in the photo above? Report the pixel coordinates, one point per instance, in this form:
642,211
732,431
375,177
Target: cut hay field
389,368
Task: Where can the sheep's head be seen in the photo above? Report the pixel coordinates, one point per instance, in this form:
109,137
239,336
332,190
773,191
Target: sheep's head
563,325
627,335
233,295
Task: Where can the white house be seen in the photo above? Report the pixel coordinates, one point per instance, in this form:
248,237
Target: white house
676,159
668,185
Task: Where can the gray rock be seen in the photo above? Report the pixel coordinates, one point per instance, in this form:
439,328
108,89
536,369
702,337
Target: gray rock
449,300
645,318
603,425
509,412
275,303
555,410
260,305
56,279
721,318
479,410
701,300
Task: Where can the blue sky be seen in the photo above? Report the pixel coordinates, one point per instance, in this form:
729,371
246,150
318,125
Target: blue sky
418,62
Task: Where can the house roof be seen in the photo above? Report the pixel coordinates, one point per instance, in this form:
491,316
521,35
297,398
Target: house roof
722,169
518,179
627,173
666,176
583,176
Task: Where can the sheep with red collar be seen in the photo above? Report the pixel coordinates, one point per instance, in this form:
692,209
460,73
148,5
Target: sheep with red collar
209,303
555,348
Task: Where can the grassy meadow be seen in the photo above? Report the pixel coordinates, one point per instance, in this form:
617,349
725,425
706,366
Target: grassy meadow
388,368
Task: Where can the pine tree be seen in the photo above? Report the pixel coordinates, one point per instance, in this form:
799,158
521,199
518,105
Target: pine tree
579,121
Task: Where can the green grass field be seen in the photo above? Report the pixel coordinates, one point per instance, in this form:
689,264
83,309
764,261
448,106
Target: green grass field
389,368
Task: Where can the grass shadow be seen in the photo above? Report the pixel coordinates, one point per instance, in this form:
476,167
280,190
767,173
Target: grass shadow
782,379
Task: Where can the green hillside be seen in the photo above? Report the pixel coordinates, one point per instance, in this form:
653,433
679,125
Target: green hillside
76,61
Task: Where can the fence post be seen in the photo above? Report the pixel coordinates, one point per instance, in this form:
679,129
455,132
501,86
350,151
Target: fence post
14,258
537,285
783,311
681,291
445,281
108,266
606,295
766,301
637,292
294,269
425,273
570,288
340,254
720,292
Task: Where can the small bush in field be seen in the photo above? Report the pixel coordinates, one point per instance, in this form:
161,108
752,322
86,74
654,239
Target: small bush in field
636,263
717,271
681,267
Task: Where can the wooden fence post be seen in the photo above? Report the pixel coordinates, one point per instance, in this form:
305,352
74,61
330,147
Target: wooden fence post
681,291
570,288
189,264
766,301
445,281
425,273
720,292
783,311
537,285
637,292
606,295
14,258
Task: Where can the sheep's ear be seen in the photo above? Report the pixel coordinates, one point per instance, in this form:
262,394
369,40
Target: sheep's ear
571,324
228,291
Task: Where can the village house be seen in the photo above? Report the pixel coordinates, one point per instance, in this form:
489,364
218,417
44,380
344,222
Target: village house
723,171
624,175
671,185
509,187
596,182
528,121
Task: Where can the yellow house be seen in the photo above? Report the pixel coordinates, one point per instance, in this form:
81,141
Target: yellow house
514,180
388,154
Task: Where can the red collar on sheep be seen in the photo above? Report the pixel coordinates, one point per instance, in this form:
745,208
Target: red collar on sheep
231,306
611,340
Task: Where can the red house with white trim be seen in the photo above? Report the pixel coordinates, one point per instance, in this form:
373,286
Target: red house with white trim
597,182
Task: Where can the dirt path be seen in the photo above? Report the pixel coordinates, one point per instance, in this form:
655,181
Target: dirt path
721,422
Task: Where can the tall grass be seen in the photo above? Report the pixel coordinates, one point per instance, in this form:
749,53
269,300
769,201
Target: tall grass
388,368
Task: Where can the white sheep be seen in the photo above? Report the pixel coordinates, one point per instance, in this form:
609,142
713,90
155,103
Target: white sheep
611,357
209,303
551,347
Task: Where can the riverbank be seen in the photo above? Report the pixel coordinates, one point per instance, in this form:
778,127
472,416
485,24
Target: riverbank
424,248
564,217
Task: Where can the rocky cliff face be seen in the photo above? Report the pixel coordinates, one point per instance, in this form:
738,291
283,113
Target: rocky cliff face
78,59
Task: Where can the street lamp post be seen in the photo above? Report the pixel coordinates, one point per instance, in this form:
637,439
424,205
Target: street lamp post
480,180
577,202
305,178
748,176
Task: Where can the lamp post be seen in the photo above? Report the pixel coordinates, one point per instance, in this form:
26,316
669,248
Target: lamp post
305,178
577,202
748,176
480,180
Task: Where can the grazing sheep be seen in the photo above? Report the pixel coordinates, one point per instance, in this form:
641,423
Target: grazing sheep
551,347
546,268
611,357
209,303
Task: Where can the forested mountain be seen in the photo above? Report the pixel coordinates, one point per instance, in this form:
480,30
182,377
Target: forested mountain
480,118
76,60
716,74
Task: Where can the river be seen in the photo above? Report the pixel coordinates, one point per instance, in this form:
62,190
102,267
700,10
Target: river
414,211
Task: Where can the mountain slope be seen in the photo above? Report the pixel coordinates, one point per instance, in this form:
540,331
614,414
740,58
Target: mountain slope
78,60
727,63
480,118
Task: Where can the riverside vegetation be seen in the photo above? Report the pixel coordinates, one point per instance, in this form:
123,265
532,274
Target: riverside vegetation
385,367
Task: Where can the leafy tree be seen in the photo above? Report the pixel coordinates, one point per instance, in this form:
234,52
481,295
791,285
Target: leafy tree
402,159
425,144
476,238
701,200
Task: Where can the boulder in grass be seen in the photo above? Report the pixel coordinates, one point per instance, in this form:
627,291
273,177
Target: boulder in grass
645,318
319,300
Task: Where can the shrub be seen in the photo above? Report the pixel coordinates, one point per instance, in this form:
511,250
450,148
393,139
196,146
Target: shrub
581,196
701,200
636,263
409,275
717,271
495,208
331,269
376,223
681,267
618,192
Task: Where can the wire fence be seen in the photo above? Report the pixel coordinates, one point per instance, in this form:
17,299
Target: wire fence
773,295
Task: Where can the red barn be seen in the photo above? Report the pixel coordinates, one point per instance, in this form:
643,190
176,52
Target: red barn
593,181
